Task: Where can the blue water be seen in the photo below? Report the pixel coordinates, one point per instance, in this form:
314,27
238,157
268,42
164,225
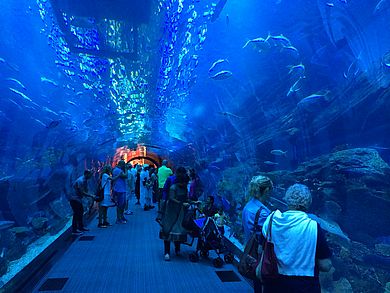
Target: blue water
308,78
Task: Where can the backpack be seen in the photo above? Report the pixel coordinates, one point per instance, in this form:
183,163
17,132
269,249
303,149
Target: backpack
100,192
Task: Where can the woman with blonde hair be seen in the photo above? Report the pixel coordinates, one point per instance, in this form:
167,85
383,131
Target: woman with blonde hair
256,211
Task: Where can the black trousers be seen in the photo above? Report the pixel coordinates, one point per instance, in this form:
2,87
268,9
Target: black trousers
167,246
78,212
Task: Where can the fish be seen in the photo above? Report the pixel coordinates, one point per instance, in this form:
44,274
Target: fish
260,43
20,94
291,48
40,122
381,6
300,68
53,124
44,79
224,74
50,111
279,152
16,81
313,99
230,115
271,163
332,228
6,224
295,87
2,252
217,62
284,40
330,4
72,103
6,178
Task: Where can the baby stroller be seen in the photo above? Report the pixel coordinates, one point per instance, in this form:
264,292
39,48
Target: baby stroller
209,238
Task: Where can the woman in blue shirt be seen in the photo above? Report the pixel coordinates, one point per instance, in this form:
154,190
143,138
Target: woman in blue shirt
259,189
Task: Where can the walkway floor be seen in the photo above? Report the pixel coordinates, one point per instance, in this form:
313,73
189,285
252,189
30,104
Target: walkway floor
129,258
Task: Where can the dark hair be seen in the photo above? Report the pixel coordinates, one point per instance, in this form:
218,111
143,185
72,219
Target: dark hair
88,172
181,175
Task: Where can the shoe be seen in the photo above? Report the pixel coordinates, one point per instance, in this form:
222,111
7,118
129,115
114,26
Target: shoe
151,207
76,233
107,224
84,229
102,226
124,221
166,257
129,213
146,208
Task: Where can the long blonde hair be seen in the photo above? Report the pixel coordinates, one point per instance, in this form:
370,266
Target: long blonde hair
259,185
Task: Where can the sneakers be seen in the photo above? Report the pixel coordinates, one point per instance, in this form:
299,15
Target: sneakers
102,226
76,233
166,257
84,229
107,224
121,221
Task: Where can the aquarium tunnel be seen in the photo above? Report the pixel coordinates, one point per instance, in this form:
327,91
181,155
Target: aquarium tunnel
236,92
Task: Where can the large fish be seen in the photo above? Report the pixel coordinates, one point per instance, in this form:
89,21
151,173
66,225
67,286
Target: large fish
216,63
332,228
224,74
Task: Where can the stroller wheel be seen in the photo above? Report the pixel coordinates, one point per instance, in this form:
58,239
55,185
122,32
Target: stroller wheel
218,262
194,257
228,258
204,253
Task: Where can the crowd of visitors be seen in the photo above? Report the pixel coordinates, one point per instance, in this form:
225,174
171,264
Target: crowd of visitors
298,242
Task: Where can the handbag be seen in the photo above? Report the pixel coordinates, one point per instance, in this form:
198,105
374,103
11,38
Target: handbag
268,265
248,260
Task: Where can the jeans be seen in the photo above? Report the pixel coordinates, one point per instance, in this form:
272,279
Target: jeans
78,212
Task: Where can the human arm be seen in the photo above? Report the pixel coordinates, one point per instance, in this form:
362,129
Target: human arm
323,252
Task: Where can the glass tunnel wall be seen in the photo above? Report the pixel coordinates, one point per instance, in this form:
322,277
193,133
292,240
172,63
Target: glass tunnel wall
295,90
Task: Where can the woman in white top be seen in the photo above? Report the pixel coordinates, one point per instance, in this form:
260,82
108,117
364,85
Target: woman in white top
106,202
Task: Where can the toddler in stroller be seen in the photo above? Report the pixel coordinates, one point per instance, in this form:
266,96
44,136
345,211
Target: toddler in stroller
209,238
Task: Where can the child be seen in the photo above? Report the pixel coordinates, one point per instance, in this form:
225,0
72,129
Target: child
220,221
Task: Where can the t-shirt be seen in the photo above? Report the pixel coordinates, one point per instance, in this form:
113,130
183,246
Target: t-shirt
163,173
106,183
120,183
249,214
79,186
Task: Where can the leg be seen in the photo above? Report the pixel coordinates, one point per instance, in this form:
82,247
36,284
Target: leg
100,214
79,213
177,247
167,247
74,218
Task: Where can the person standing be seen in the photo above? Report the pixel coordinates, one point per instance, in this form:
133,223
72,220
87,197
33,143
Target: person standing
106,202
259,189
144,177
173,213
162,174
299,244
80,187
129,188
119,191
137,190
